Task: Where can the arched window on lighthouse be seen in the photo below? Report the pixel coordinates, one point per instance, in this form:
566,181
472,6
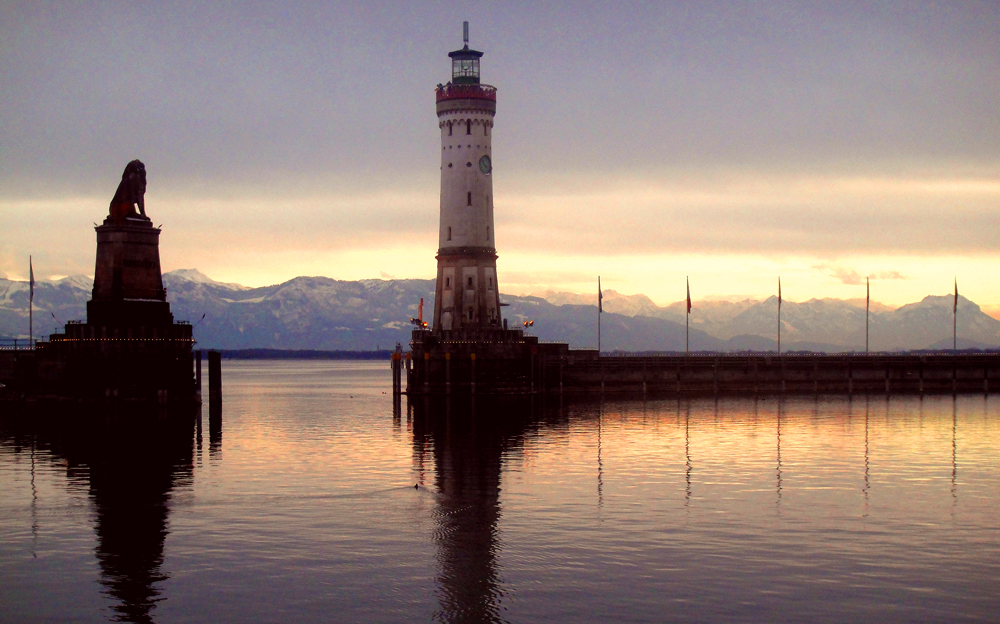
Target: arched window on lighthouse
449,128
469,200
449,232
468,126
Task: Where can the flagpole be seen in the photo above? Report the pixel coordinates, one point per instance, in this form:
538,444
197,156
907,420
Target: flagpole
954,317
779,315
868,298
600,310
31,304
687,317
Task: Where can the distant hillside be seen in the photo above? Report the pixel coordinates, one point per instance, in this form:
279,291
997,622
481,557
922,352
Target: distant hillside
318,313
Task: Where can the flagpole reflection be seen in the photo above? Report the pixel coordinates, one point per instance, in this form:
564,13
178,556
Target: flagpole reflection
954,452
600,463
867,481
778,470
687,455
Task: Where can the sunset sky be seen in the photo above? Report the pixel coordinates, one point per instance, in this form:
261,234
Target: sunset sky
732,142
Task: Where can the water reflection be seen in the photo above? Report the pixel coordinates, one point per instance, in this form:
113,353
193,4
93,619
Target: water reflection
131,462
215,430
468,443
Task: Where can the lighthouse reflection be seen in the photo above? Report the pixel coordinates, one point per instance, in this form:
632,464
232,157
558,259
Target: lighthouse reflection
467,443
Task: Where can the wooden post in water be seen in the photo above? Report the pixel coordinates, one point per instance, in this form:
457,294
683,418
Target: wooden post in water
397,372
215,399
215,377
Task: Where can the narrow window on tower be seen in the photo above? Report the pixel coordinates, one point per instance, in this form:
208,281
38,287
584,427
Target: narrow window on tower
449,128
468,127
469,200
486,130
470,314
447,282
470,282
487,233
449,232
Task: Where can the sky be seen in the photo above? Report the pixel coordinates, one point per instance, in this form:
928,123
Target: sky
731,142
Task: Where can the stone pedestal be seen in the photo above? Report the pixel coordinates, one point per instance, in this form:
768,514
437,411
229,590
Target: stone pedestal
128,284
129,348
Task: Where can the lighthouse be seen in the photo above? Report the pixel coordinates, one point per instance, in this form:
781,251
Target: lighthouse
468,350
467,294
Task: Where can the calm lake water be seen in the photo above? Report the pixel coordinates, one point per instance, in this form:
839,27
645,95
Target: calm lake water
303,508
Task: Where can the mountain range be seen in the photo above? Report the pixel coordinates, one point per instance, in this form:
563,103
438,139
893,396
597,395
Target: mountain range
326,314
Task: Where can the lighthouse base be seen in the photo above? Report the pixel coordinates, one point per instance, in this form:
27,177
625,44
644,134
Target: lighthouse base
480,361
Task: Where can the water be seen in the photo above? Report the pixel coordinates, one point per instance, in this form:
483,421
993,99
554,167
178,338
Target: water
303,508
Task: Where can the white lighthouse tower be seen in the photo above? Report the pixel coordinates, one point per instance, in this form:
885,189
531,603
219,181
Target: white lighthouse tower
467,293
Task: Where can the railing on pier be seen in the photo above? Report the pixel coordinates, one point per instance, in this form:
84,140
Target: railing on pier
15,344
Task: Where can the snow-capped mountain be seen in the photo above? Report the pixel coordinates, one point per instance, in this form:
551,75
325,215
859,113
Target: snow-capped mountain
326,314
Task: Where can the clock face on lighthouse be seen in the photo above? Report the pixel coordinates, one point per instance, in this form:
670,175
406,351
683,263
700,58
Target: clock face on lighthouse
485,165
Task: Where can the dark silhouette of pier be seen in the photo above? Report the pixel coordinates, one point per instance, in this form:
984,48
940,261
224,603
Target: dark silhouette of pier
535,368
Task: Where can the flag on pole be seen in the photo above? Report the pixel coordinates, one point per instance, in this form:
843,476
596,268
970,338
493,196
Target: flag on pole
31,302
954,320
600,296
868,302
688,279
779,315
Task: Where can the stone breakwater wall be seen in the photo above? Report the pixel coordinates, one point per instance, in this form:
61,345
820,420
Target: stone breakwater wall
776,374
516,368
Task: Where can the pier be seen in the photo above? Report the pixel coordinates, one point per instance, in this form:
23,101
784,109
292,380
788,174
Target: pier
532,368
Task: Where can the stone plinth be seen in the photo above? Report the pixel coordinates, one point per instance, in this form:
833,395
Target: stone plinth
130,348
128,285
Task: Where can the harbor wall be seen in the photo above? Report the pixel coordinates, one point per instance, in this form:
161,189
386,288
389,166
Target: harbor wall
526,366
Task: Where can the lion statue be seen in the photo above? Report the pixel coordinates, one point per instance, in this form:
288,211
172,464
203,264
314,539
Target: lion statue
130,193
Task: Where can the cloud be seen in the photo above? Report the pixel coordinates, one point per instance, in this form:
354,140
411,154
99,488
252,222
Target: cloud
889,275
772,214
852,277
